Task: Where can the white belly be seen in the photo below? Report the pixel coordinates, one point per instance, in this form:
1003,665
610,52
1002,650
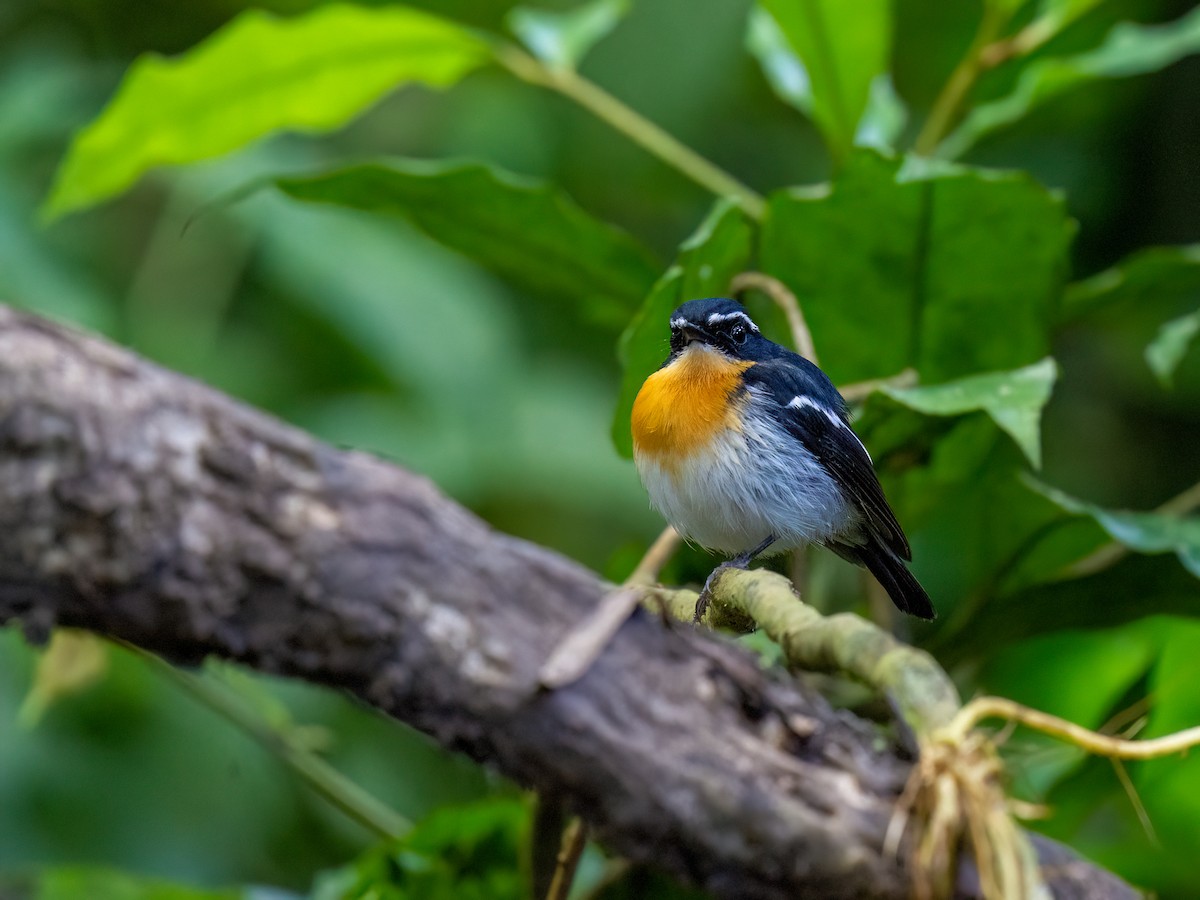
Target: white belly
744,486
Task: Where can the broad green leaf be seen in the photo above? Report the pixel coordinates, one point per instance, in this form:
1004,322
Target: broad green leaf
1129,49
1144,532
258,75
719,249
525,230
1014,400
564,38
843,47
1140,278
1062,12
1167,350
951,270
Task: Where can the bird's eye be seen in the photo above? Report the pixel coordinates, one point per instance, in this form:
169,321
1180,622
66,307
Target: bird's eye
738,333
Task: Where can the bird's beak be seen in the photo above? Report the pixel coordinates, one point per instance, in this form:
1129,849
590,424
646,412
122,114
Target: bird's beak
692,333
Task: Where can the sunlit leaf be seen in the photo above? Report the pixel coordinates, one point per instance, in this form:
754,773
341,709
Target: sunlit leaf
1140,278
784,71
843,47
719,249
1129,49
884,119
1014,400
1167,350
564,38
951,270
72,662
1144,532
524,230
257,75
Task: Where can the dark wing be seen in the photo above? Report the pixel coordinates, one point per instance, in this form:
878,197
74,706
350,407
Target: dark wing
813,412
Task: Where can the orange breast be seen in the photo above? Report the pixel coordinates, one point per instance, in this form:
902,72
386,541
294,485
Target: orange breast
681,407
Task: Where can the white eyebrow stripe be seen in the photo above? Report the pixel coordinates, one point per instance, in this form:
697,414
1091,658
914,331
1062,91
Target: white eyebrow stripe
678,323
800,401
725,317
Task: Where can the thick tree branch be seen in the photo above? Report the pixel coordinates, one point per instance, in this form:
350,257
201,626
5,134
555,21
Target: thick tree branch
141,505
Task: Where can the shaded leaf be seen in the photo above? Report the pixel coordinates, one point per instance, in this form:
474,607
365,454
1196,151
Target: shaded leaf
1139,278
524,230
72,662
1144,532
1014,400
843,47
457,853
719,249
1167,350
257,75
951,270
1129,49
564,38
74,882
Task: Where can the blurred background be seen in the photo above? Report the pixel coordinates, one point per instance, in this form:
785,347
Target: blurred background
366,332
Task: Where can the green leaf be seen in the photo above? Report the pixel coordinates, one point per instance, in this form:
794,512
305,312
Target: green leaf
1140,278
1167,350
1129,49
784,71
257,75
564,38
843,47
719,249
1143,532
95,883
1014,400
524,230
950,270
884,119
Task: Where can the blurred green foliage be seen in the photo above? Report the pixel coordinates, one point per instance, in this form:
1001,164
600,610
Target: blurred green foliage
470,280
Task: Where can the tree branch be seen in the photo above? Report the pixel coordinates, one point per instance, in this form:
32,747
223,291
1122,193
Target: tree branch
143,506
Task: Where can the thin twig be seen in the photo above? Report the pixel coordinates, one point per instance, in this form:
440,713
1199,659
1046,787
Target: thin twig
323,778
948,103
1091,741
785,300
1135,799
574,840
659,554
633,125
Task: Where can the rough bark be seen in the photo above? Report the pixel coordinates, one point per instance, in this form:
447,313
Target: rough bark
141,505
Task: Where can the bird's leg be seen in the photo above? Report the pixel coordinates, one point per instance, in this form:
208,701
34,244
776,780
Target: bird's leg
741,561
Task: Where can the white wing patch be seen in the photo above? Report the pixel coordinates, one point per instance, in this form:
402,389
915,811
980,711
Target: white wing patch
800,401
717,318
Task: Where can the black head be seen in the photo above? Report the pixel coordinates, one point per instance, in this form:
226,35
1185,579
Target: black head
720,323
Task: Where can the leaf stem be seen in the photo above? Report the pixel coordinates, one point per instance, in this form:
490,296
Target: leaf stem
948,103
321,777
633,125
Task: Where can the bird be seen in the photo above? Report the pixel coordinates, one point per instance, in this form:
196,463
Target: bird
746,448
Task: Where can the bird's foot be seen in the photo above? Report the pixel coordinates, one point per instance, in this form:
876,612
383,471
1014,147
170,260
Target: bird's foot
741,561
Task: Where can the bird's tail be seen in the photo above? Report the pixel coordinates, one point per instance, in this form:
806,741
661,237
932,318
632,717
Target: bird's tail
891,572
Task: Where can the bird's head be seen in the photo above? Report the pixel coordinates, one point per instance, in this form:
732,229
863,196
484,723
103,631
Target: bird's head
719,323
